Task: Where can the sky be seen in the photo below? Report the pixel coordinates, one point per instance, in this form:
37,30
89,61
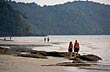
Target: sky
53,2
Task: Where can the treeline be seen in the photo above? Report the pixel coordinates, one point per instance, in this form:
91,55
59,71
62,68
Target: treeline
11,22
72,18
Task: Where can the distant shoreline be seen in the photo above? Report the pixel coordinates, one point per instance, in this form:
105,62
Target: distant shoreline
58,35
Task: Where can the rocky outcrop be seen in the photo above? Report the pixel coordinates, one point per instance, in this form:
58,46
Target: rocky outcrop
89,57
41,54
68,64
57,54
78,61
7,51
72,64
44,53
33,56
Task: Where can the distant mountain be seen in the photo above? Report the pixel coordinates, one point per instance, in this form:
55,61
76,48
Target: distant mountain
72,18
12,23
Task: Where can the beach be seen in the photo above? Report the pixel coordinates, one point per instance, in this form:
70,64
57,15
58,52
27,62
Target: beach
20,64
11,63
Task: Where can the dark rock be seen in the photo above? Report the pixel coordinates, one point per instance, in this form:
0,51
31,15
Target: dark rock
33,56
72,64
33,51
43,53
77,60
7,51
57,54
89,57
68,64
21,49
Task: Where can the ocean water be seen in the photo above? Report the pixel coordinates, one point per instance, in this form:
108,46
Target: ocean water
89,44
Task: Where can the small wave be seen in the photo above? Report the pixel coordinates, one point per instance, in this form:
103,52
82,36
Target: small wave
5,47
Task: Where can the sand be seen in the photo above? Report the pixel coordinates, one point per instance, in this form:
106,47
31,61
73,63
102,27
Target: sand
10,63
22,43
89,45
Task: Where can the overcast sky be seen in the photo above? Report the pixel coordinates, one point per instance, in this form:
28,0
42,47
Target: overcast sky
53,2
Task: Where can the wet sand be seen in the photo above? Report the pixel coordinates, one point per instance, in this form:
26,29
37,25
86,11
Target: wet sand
10,63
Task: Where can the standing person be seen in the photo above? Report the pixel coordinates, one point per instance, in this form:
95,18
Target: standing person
4,38
70,50
48,39
45,39
76,48
10,38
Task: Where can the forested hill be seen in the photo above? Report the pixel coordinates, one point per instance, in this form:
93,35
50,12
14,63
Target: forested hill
12,23
72,18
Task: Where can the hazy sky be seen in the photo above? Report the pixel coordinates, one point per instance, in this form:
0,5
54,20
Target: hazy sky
53,2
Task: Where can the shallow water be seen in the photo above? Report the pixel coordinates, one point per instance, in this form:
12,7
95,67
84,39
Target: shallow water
89,44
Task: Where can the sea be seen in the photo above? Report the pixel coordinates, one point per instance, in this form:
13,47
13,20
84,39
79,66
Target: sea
89,44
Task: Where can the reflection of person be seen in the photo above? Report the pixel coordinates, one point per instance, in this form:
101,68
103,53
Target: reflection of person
70,50
76,48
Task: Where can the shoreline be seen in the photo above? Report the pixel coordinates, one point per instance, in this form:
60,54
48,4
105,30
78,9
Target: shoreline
35,63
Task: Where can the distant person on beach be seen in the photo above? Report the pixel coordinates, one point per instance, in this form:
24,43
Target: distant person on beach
48,39
4,38
76,48
45,39
10,38
70,50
